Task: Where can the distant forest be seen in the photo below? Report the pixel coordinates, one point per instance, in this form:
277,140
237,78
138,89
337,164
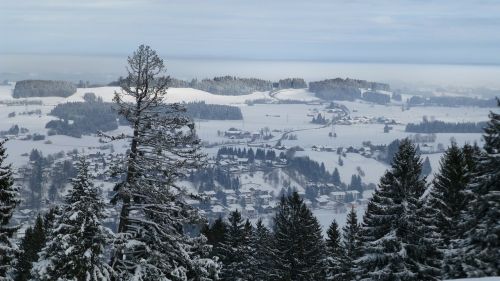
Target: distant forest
451,101
43,88
80,118
376,97
436,126
201,110
344,89
226,85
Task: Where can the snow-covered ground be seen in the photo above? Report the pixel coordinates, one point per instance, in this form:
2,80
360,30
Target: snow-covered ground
277,117
295,94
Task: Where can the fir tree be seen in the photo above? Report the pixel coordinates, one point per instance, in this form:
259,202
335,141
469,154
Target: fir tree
336,177
76,242
152,241
8,202
393,244
350,244
335,256
426,167
31,245
235,248
298,248
480,248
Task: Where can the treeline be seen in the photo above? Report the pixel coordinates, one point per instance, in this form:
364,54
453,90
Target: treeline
451,101
436,126
93,115
43,88
250,154
343,89
201,110
225,85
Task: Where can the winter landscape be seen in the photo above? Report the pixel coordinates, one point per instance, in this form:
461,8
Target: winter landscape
267,164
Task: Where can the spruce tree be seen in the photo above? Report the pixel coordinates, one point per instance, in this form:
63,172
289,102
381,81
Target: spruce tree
392,244
335,255
350,244
480,248
446,201
261,245
298,245
31,245
76,243
8,202
152,241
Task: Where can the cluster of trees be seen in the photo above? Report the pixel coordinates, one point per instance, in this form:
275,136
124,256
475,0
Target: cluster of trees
80,118
42,170
319,119
292,83
14,130
312,170
376,97
436,126
207,178
43,88
451,101
343,89
201,110
250,252
259,154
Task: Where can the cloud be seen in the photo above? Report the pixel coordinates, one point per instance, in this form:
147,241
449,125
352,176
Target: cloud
383,30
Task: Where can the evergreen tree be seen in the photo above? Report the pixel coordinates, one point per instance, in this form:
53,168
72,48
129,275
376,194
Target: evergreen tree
336,177
8,202
261,245
350,244
393,245
446,201
335,256
480,248
36,178
152,241
426,167
298,248
235,250
76,243
31,245
216,235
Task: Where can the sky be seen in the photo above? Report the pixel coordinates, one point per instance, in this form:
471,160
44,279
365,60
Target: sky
389,31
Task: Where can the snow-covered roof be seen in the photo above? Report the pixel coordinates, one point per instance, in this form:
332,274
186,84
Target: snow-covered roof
337,193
